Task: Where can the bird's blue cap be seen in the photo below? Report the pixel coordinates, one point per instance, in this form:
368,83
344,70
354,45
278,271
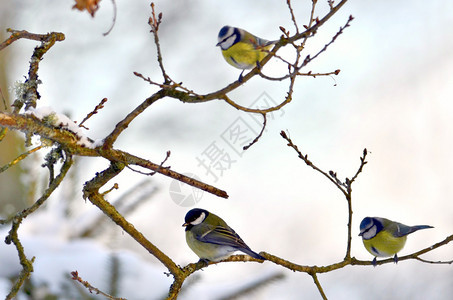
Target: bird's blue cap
365,223
223,31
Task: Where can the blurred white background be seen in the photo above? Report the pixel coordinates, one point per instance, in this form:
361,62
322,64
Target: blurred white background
393,97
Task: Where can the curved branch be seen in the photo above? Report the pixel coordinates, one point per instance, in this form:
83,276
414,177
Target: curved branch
27,265
123,124
91,191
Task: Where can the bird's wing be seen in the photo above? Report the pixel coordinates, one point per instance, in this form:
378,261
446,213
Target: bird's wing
257,41
221,235
263,43
402,230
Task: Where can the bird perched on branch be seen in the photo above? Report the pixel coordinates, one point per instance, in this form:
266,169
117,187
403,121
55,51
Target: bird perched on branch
241,49
211,238
384,238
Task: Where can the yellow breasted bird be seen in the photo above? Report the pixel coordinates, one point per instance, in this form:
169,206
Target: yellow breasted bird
383,237
241,49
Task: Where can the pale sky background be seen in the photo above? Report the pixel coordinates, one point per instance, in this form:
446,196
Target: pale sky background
393,96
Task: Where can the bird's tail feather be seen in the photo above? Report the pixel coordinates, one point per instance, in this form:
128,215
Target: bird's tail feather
418,227
252,254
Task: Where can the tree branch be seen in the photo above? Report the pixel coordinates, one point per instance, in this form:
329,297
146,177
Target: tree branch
27,265
91,191
31,125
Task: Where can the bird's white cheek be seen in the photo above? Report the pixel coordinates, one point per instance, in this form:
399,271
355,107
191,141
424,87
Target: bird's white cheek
228,42
370,233
199,219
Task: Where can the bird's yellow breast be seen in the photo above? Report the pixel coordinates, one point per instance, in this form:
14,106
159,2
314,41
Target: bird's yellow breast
244,55
384,244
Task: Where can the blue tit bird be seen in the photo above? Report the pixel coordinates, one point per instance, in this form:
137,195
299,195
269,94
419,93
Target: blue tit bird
211,238
384,238
241,49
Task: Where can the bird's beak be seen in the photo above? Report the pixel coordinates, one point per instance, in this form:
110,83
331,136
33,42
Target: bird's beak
185,224
218,44
360,234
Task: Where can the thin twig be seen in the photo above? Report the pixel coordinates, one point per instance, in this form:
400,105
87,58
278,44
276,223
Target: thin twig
255,110
19,158
95,111
308,58
310,23
114,187
161,166
3,98
3,132
293,18
311,58
259,135
439,262
250,288
154,22
363,162
126,204
114,19
308,74
91,289
318,285
171,85
310,164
